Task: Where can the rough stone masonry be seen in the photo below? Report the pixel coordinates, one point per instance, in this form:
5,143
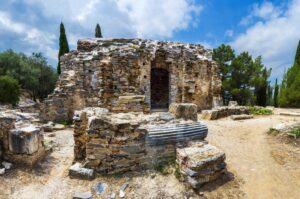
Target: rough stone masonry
133,75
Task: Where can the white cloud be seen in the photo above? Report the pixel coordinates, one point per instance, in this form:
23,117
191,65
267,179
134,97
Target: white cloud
34,37
265,11
158,18
275,37
142,18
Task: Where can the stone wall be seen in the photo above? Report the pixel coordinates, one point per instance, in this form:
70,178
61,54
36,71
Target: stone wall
118,142
116,74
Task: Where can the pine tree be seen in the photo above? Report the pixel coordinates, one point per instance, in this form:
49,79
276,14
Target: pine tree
98,33
276,87
289,95
63,45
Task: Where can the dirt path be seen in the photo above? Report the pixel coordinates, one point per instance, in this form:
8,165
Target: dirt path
259,167
267,168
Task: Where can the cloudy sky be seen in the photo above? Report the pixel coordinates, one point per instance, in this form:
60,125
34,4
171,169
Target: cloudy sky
267,28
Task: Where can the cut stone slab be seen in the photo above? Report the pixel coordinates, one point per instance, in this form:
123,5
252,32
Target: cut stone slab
78,171
233,103
241,117
186,111
24,140
82,195
290,114
200,163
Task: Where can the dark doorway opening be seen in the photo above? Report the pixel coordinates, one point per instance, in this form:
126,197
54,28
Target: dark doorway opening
159,88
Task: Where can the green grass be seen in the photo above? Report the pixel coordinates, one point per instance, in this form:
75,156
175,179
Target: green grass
295,133
166,166
260,111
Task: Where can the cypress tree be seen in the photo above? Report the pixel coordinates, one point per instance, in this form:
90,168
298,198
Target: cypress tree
63,45
276,87
98,33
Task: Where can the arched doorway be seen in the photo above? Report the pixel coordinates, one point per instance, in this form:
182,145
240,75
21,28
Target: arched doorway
159,88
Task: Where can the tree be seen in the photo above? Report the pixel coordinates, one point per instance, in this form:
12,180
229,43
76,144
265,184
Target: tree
276,88
63,45
289,95
241,75
98,33
33,73
9,90
224,55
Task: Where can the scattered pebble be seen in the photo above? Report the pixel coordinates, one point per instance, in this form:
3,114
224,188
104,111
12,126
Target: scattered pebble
7,165
100,188
122,194
2,171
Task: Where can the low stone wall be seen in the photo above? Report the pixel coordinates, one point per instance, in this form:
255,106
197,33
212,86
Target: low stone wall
119,142
223,111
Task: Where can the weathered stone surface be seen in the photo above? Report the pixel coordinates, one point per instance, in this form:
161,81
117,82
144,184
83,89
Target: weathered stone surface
21,138
200,163
241,117
77,171
233,103
82,195
24,140
116,74
2,171
186,111
223,111
119,142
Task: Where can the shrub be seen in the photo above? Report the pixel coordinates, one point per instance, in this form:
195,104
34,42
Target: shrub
295,133
260,111
9,90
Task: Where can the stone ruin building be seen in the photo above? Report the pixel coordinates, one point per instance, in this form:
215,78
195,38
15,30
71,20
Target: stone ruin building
133,75
134,105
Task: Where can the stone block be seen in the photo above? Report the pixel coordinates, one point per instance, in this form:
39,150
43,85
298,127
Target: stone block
186,111
232,103
200,163
24,140
241,117
77,171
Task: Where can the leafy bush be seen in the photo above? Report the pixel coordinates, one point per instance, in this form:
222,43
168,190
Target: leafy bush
295,133
9,90
260,111
32,72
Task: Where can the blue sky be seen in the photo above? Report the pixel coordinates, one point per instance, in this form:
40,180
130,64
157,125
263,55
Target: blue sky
267,28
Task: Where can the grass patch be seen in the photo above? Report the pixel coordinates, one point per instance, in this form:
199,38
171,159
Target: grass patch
260,111
294,133
273,132
166,166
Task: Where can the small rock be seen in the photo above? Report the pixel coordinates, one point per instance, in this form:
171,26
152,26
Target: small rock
112,196
201,193
2,171
124,186
7,165
100,188
122,194
51,134
77,171
82,195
